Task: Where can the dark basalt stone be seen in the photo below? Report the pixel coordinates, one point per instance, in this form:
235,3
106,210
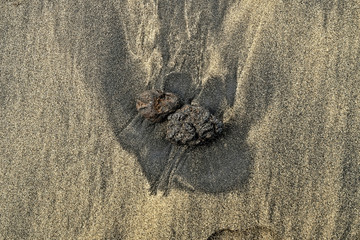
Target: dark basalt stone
192,125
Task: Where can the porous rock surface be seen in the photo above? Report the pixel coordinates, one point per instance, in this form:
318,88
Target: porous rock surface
192,125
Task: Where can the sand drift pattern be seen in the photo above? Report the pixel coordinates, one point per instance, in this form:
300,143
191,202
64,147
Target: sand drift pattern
177,133
188,126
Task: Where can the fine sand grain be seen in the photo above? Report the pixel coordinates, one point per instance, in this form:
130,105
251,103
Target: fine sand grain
76,162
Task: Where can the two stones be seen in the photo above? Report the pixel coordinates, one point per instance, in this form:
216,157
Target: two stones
186,124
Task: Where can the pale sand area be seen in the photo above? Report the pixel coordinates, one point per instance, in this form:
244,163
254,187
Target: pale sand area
288,85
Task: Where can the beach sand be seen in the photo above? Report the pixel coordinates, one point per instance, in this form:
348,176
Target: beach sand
283,75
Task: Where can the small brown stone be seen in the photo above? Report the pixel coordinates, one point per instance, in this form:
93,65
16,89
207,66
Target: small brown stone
156,105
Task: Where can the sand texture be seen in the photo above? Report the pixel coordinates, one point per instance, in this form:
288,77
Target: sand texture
77,161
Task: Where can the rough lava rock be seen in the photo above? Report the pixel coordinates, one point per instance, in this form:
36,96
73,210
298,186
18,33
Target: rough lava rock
192,125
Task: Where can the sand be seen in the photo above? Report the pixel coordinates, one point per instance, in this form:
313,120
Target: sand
78,163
